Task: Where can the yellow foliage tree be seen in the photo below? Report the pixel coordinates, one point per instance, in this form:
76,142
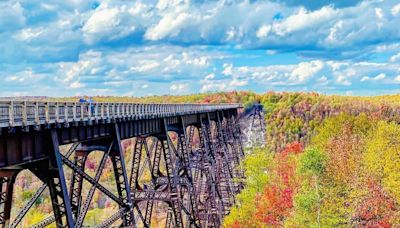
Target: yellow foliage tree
382,157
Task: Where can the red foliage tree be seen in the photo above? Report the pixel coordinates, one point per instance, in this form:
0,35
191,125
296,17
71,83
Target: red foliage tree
276,202
376,210
292,148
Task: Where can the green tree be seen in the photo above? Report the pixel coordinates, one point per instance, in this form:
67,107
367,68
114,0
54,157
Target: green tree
308,200
257,167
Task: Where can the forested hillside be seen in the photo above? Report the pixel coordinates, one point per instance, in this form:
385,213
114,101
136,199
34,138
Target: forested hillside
329,161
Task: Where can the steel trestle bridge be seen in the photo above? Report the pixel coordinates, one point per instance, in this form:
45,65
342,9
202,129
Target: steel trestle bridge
185,156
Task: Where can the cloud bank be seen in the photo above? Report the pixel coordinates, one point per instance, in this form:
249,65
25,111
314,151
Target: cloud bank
183,46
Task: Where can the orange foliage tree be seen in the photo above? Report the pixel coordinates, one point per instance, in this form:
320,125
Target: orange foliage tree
276,202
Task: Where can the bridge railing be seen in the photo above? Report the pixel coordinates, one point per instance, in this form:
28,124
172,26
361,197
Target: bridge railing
26,113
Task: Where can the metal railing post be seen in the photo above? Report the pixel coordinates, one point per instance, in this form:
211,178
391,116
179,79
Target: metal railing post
37,118
11,113
74,112
66,113
57,114
24,115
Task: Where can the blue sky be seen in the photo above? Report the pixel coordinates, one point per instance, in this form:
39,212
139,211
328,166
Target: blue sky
139,48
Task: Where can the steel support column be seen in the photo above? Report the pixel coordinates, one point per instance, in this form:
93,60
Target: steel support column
53,175
213,208
76,183
175,203
7,180
121,178
183,142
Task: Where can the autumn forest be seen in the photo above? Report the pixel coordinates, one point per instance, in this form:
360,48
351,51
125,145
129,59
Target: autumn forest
329,161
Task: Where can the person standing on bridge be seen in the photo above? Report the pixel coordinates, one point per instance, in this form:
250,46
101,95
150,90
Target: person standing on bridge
91,106
90,101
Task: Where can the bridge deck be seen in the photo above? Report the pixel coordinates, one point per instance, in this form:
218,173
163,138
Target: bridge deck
27,113
24,125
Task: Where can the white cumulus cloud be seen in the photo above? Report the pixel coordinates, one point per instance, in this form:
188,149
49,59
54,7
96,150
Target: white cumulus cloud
179,88
304,19
11,15
395,58
376,78
305,70
109,23
263,31
395,10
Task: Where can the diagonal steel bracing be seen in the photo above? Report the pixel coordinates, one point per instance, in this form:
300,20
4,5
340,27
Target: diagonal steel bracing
25,209
85,207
